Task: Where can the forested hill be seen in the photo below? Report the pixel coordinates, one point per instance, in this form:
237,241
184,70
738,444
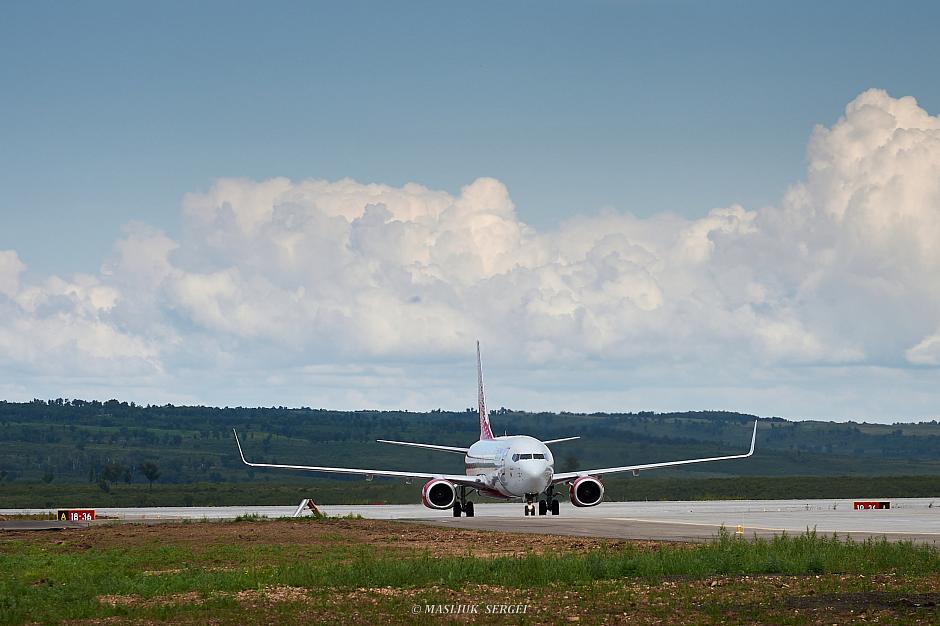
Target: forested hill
68,441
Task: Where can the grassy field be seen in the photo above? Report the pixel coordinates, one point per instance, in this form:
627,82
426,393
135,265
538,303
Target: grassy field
354,571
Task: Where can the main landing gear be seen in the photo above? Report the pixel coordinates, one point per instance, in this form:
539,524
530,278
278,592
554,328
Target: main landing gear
548,505
461,504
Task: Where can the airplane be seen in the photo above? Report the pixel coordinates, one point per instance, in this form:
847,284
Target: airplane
509,467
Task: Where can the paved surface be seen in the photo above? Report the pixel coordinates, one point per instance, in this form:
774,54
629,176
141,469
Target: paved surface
622,528
909,518
915,519
35,524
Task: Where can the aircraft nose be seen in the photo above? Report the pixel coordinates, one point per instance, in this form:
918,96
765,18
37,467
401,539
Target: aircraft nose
536,476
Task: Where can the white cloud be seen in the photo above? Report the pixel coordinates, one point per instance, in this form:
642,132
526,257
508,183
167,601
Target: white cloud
926,352
10,269
280,275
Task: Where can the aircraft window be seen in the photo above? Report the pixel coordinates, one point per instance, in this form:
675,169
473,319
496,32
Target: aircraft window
525,456
538,456
515,458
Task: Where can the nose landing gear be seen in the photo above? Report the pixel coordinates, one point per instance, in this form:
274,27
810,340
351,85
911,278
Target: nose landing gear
545,505
529,506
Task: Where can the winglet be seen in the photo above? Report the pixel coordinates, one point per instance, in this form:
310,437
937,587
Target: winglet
239,444
753,439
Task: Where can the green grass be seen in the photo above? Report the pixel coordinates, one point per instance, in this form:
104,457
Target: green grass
805,554
48,583
251,517
29,516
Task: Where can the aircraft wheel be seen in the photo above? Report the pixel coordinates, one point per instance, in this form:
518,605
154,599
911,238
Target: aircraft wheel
468,509
543,507
554,507
456,509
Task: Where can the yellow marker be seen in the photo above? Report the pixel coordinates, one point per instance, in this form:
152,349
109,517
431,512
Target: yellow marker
740,531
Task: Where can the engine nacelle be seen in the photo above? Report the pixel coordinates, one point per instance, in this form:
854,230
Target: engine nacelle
438,494
586,491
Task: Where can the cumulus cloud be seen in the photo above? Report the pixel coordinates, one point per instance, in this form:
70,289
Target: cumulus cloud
10,269
292,274
926,352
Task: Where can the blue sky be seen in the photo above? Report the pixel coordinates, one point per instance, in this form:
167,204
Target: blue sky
631,190
110,112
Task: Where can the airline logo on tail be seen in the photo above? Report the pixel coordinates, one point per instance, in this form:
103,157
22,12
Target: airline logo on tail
485,431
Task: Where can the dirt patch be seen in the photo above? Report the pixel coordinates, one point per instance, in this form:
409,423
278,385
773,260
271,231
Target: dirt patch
272,595
866,600
162,572
826,599
191,597
389,535
247,597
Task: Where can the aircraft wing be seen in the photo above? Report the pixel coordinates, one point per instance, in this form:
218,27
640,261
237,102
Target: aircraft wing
460,479
549,441
648,466
429,446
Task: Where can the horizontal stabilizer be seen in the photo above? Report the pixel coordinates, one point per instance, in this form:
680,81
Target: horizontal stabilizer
560,440
429,446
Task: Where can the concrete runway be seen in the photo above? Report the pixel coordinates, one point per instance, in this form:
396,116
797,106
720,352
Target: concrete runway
916,519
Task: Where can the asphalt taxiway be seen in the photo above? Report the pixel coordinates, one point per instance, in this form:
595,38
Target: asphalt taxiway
916,519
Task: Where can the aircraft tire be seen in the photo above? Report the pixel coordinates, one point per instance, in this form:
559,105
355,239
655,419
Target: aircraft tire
468,509
554,507
456,509
543,507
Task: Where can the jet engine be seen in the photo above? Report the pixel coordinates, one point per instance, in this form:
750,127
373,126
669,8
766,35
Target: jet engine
586,491
438,494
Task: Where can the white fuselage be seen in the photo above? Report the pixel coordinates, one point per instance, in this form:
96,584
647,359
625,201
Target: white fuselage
512,466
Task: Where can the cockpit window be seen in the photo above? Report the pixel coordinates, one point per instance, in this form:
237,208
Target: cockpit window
524,457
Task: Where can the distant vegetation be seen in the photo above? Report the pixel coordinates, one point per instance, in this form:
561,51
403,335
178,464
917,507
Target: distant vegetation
116,450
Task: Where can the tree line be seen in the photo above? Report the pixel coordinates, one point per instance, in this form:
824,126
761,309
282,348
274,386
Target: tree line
111,442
